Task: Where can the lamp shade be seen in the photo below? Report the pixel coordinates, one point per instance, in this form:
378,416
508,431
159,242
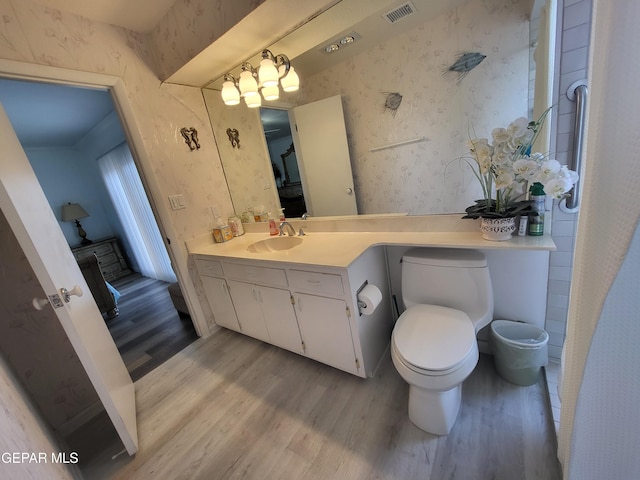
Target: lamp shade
72,212
267,73
290,82
248,84
271,93
253,101
230,94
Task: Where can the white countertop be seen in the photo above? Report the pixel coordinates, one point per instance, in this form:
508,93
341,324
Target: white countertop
341,248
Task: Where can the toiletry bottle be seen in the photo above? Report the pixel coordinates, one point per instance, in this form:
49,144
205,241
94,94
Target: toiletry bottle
236,225
259,214
536,222
273,227
282,218
222,232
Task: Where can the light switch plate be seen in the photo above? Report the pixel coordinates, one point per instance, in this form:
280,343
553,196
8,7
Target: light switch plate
177,202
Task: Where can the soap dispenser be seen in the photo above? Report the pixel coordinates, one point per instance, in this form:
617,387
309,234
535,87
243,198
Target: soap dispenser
273,227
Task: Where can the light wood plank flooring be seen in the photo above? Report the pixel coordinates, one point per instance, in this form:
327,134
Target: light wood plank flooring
148,329
230,407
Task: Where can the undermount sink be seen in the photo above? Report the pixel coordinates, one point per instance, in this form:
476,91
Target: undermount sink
274,244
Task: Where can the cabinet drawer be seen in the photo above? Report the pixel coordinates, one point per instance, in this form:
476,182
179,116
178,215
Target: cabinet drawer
325,283
98,249
250,273
110,271
108,259
209,268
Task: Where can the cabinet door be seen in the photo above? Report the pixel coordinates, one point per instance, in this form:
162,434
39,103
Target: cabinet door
325,330
245,301
280,318
220,302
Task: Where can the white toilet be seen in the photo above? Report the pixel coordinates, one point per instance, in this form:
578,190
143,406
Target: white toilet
448,297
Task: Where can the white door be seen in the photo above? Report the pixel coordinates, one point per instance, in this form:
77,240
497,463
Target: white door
37,230
320,140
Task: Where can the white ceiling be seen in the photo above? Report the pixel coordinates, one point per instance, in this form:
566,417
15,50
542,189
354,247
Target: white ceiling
138,15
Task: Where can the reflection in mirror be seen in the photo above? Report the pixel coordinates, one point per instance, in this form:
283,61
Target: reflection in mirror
277,132
422,177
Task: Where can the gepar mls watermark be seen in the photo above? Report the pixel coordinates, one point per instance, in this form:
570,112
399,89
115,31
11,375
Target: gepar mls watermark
39,457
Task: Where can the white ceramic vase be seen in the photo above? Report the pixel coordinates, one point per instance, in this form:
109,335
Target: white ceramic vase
497,229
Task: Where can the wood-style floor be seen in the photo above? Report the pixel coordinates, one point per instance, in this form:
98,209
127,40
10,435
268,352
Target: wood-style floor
148,329
231,407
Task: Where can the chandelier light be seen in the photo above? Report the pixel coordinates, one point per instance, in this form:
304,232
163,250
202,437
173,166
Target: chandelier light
274,72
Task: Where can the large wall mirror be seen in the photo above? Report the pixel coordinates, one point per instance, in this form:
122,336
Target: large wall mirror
404,154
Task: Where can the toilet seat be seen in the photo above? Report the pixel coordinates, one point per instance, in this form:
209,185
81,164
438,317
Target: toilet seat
433,340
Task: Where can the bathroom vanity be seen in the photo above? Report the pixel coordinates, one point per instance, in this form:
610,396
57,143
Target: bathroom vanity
300,293
311,310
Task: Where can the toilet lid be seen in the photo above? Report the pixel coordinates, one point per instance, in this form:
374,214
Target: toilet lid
433,338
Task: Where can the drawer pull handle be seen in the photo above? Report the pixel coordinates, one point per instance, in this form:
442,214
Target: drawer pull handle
314,282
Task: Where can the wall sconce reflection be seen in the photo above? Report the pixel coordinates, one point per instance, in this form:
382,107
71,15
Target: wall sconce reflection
234,137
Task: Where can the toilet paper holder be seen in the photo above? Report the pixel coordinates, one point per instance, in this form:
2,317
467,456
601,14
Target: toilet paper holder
361,304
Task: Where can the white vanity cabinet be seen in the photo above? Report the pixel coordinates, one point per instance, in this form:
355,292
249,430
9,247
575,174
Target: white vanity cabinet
264,303
266,313
217,291
308,309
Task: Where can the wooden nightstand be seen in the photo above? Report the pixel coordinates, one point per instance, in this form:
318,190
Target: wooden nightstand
112,263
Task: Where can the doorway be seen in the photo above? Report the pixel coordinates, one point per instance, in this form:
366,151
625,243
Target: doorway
286,172
63,154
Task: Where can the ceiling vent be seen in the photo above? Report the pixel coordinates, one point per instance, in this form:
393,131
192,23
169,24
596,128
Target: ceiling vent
400,12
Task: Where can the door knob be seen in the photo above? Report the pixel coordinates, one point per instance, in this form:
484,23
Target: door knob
66,294
39,303
349,190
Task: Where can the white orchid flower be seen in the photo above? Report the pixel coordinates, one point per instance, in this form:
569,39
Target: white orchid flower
557,187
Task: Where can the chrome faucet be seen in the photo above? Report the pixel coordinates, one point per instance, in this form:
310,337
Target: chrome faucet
290,230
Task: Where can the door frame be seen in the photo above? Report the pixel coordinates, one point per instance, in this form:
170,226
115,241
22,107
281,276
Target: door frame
179,257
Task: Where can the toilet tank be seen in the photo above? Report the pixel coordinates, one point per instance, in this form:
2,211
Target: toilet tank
449,277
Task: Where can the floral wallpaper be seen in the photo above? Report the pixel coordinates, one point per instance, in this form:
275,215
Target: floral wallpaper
249,177
425,176
39,36
192,25
34,343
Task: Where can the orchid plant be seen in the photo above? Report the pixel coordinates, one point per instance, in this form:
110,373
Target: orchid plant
506,168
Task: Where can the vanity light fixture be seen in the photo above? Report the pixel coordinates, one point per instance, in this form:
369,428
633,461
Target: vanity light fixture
274,70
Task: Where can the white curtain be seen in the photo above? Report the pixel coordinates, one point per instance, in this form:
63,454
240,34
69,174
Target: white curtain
600,413
132,206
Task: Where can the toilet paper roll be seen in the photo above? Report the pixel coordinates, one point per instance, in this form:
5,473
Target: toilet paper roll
369,298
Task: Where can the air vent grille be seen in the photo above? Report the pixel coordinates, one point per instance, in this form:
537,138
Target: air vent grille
400,12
